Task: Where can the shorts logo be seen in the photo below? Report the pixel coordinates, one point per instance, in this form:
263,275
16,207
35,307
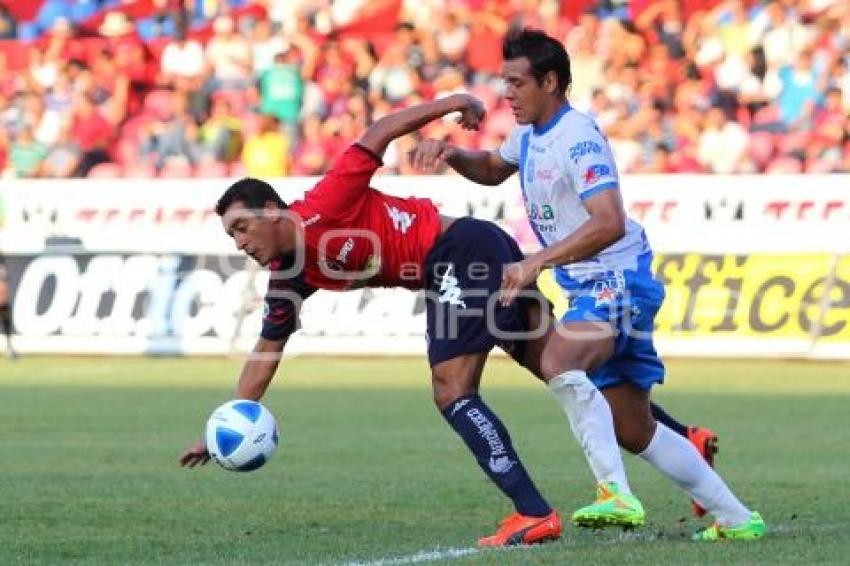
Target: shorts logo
605,292
583,148
596,172
401,220
449,290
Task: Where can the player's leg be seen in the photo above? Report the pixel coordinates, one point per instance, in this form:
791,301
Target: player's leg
703,438
560,358
6,326
463,270
455,383
675,457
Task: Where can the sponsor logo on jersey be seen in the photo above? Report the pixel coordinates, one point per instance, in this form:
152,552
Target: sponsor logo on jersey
401,220
596,172
539,212
583,148
449,290
342,256
312,220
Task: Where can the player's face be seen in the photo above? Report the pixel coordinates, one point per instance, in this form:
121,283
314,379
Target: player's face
253,231
527,98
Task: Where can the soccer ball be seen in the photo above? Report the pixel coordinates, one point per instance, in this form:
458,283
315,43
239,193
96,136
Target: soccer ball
241,435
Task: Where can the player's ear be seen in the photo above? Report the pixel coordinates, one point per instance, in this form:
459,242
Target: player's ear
550,82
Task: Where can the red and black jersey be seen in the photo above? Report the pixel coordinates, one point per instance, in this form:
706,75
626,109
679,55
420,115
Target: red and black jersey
354,236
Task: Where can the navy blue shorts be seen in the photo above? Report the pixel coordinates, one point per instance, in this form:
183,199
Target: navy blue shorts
463,274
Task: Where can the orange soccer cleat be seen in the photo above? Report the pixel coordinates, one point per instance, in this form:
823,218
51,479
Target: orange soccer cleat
705,441
522,529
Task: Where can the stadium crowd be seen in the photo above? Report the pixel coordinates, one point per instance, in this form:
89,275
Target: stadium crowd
178,88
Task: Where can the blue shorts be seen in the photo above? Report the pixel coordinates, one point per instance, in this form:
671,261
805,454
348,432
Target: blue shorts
463,274
629,300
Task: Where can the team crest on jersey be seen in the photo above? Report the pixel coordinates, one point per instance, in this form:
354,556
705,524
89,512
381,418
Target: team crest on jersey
401,220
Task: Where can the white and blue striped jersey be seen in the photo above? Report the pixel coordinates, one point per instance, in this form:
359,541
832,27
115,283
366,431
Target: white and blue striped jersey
562,164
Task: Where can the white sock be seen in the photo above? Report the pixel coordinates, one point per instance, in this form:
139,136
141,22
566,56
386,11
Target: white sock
675,457
593,426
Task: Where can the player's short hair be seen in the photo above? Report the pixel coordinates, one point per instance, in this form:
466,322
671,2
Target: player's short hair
543,52
253,193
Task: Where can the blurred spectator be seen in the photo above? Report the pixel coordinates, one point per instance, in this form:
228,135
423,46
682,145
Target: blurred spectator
220,136
64,157
722,144
265,46
282,89
182,63
8,25
229,56
170,136
266,153
91,132
799,89
27,154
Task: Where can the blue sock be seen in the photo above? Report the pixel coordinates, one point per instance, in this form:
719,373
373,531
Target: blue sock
488,439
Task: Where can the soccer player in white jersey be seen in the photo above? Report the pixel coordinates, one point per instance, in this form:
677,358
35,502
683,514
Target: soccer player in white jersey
602,262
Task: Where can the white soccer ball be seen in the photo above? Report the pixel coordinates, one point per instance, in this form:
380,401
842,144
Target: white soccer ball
241,435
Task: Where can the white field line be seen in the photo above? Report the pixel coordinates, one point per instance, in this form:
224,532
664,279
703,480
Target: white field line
421,556
623,538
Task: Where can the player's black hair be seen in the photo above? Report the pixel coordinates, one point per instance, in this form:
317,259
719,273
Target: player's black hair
253,193
544,53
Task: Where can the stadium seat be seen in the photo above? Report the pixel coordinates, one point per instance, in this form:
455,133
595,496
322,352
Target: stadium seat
139,170
160,103
762,147
237,169
211,170
792,141
106,170
784,164
176,169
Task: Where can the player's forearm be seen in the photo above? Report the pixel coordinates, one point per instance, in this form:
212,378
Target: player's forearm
403,122
474,165
591,238
259,369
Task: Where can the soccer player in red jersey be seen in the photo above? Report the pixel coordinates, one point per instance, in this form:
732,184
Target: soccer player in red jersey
344,234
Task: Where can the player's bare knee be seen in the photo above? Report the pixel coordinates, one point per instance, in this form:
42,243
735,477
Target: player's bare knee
448,388
633,436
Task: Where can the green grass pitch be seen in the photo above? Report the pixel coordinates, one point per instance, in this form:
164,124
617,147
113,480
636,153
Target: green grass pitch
368,471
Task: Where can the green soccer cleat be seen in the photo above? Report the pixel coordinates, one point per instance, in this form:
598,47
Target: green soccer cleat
611,508
752,529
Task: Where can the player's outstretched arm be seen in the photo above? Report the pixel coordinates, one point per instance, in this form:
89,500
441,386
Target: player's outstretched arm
480,166
259,369
378,136
257,373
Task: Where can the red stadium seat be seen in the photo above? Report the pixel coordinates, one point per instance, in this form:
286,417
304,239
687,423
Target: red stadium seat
784,164
106,170
176,169
160,103
762,147
211,170
139,170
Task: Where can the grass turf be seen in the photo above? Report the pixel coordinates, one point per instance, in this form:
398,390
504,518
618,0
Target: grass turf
368,470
